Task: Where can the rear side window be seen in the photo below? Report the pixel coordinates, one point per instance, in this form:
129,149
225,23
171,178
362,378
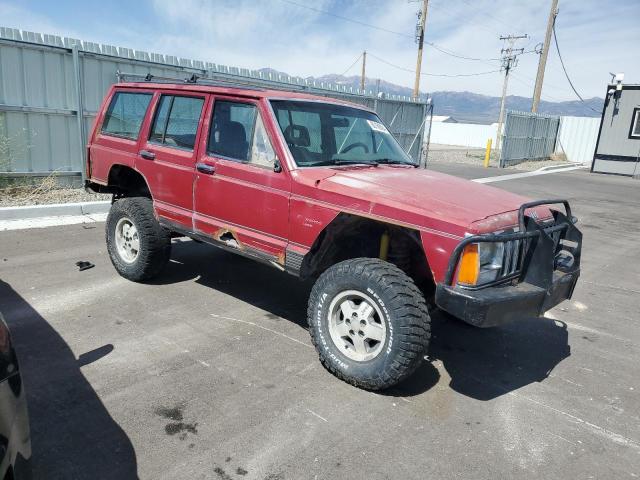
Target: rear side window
176,121
125,114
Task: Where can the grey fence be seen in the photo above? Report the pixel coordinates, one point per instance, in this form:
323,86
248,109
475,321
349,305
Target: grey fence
51,88
528,136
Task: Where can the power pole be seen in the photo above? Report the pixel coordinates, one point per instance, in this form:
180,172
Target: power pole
509,61
420,28
537,91
364,64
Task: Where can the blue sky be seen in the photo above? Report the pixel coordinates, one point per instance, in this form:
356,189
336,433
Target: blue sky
595,36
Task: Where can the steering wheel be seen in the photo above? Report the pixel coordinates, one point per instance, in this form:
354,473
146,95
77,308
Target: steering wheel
355,145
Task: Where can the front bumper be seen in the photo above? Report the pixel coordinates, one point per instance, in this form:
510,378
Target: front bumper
549,267
493,306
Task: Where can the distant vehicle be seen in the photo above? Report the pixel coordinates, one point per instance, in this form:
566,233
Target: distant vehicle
15,442
320,189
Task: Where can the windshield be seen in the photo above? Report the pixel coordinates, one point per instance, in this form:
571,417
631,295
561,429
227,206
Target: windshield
327,134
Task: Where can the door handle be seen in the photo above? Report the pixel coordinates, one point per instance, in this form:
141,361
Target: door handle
147,155
204,168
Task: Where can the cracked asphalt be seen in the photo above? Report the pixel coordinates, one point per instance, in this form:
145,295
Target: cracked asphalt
209,373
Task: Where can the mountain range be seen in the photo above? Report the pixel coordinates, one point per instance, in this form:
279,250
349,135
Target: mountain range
468,106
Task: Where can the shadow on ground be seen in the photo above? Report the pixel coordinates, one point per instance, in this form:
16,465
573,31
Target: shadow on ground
482,363
72,434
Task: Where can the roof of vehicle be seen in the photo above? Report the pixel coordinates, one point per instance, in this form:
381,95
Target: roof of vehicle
241,91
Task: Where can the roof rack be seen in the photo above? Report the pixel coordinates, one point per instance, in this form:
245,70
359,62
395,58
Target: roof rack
216,80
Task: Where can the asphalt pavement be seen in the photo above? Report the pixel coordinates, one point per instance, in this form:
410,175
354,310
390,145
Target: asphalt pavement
209,373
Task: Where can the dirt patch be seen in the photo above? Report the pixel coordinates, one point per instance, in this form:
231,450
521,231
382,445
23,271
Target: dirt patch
475,156
43,194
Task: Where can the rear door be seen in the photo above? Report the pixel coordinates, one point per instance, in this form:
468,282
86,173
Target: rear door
241,189
167,154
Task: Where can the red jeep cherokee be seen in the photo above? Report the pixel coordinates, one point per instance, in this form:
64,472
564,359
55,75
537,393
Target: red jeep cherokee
320,189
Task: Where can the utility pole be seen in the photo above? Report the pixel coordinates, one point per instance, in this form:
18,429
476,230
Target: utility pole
509,61
537,91
420,28
364,64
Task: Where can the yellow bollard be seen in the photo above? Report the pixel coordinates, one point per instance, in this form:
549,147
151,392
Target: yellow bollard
487,154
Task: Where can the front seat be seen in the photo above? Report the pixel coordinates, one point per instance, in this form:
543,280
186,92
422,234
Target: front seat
298,140
232,141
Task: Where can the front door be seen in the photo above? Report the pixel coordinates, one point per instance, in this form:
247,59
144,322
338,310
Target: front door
167,157
241,197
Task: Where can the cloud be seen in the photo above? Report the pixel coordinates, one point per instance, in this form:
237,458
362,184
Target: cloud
595,37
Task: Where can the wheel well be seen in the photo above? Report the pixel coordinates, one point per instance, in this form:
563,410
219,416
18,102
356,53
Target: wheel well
127,181
350,236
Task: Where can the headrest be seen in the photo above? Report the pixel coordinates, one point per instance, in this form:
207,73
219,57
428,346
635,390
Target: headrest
297,135
233,131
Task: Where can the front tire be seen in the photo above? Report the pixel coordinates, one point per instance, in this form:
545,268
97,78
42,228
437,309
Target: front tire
139,247
369,323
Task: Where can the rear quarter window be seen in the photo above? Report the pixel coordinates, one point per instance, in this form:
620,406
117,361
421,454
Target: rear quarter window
125,114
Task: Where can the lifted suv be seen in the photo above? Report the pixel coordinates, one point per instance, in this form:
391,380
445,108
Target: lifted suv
320,189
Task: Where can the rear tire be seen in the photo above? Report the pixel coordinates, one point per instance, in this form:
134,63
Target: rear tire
380,347
139,247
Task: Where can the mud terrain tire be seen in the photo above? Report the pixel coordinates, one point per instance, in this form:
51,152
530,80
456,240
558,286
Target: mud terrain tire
400,305
134,217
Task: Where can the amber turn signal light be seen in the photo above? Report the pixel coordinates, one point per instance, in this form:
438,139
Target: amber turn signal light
469,265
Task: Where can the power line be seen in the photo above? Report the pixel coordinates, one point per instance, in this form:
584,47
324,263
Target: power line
382,29
431,74
529,83
464,20
449,52
347,19
508,25
351,66
555,39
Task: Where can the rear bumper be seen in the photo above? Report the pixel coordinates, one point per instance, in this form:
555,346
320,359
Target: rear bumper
493,306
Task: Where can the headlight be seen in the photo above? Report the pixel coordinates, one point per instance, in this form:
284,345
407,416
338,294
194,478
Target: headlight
491,255
480,263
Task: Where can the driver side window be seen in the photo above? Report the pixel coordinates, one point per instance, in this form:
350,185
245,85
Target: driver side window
238,133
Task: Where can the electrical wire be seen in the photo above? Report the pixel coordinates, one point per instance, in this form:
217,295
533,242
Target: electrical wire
555,40
430,74
347,19
488,15
382,29
456,55
351,66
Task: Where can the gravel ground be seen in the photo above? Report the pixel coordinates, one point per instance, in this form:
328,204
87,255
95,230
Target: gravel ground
475,156
33,195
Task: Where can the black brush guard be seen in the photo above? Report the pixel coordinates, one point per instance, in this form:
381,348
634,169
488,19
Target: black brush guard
547,272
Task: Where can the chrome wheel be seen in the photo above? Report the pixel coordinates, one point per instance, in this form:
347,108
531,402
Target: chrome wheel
356,325
127,240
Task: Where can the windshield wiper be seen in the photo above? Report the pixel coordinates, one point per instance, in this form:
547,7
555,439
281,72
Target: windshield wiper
374,162
338,161
392,161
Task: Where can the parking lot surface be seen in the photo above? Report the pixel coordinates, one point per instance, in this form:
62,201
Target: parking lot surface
209,372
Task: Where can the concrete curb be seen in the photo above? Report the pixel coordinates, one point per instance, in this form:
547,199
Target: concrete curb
54,210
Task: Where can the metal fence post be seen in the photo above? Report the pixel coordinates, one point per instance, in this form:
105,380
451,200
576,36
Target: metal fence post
79,91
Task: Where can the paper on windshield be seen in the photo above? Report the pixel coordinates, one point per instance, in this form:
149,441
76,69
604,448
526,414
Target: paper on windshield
377,126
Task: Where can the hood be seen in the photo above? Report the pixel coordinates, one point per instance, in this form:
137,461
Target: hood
421,197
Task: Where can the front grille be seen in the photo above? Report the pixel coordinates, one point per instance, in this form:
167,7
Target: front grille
510,259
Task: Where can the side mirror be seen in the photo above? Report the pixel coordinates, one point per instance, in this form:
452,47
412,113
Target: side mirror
276,165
